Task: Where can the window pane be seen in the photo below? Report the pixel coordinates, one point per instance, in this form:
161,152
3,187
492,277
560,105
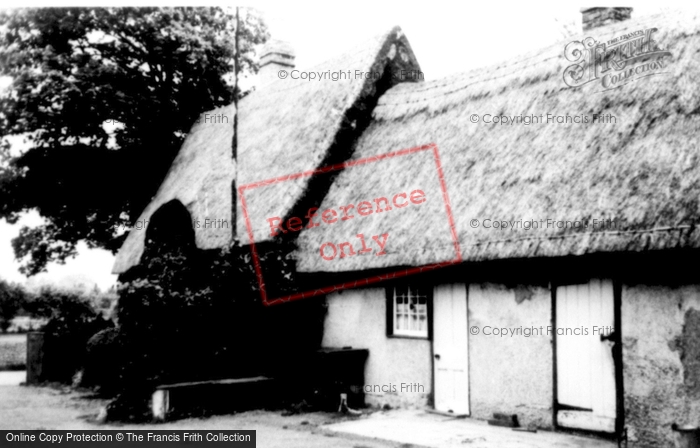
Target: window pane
410,311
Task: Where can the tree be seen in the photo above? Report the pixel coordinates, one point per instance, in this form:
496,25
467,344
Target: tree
77,72
12,299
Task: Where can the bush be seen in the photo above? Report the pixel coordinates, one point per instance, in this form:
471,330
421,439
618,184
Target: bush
104,361
72,322
171,323
189,315
12,300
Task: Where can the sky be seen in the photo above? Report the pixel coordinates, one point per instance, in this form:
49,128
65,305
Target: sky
446,39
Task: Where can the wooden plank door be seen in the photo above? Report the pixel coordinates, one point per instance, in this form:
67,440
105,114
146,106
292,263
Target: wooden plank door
450,349
586,388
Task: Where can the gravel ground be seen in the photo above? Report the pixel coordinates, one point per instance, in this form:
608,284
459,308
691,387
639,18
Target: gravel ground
55,408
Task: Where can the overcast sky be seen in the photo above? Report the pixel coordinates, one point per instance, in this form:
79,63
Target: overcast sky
445,38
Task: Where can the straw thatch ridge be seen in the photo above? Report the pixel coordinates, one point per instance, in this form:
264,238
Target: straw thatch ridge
642,171
287,127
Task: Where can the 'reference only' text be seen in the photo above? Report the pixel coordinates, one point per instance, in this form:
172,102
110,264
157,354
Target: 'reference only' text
329,250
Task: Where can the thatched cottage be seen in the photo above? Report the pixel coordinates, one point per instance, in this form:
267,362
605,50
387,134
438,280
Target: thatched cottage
588,227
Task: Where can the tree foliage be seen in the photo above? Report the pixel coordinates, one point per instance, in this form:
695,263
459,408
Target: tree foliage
12,300
104,98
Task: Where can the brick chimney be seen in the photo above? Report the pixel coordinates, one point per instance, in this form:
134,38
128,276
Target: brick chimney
595,17
276,55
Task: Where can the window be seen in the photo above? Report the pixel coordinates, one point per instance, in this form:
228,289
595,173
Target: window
408,311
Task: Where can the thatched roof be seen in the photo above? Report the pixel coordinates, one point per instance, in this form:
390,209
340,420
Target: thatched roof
643,170
287,127
200,174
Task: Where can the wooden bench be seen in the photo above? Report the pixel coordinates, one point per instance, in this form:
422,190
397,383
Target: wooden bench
161,403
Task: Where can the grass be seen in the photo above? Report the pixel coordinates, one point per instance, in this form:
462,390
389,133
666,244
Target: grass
13,351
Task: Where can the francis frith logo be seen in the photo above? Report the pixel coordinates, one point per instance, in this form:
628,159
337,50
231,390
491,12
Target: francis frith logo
616,62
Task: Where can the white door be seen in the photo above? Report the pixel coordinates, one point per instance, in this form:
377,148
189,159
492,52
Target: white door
450,349
586,391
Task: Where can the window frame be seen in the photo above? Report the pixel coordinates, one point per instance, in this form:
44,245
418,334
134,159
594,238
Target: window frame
427,290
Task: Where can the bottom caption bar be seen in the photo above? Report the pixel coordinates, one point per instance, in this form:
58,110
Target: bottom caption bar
124,439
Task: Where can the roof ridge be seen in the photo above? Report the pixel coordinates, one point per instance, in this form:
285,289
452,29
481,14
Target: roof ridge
520,63
449,92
